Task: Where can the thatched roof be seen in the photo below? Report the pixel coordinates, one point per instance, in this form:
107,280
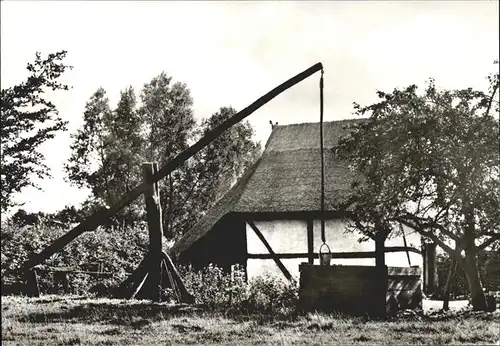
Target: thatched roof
286,178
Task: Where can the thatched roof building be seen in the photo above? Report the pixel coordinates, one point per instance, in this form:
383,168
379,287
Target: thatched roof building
280,195
285,179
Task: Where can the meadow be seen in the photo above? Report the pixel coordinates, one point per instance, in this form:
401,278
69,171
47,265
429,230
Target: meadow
80,320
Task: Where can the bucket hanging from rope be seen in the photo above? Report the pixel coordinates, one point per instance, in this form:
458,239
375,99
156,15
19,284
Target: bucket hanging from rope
324,257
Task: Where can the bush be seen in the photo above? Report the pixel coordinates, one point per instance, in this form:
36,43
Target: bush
119,251
271,295
230,292
214,288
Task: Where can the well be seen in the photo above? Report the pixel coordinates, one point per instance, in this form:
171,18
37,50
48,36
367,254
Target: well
358,290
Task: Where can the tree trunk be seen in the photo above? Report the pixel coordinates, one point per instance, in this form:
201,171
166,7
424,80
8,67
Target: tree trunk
446,293
167,231
380,249
478,300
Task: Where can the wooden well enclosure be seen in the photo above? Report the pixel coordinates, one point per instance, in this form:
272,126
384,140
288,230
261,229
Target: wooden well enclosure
358,290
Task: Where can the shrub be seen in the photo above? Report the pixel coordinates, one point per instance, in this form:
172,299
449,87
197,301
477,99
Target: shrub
119,251
272,296
230,292
214,288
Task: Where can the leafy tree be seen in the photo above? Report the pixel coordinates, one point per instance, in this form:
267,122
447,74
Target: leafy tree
28,120
106,150
213,170
430,161
167,112
224,160
169,124
170,128
157,130
489,271
62,218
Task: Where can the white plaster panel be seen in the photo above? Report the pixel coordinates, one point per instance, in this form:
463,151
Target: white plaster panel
284,236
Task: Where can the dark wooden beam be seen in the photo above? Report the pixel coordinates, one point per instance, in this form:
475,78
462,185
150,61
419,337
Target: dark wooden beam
367,254
101,216
357,254
271,252
185,296
310,241
292,215
32,284
402,249
212,134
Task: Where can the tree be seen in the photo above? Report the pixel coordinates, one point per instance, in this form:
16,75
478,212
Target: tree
28,120
170,128
431,162
89,146
167,112
224,160
106,151
169,124
214,169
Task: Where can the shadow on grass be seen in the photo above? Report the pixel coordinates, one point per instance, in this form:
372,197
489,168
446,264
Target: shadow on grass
126,314
57,299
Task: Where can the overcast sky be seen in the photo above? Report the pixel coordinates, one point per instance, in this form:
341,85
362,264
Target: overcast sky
231,53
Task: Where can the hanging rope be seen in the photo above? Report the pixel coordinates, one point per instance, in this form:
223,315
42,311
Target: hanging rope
323,238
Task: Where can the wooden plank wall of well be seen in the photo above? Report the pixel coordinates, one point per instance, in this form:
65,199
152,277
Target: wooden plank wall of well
356,290
404,287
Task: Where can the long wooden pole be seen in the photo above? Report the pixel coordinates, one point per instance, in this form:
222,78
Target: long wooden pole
99,217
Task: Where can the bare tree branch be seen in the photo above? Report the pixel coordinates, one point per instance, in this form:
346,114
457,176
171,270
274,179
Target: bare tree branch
488,242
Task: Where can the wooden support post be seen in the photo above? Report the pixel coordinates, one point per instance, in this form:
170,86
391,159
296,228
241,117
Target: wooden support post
65,282
153,210
32,284
137,274
186,297
139,286
424,264
273,254
449,278
310,241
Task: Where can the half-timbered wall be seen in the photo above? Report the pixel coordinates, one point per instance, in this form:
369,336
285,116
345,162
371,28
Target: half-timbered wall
290,236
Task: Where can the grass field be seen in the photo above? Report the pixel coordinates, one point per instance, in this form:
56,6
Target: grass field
57,320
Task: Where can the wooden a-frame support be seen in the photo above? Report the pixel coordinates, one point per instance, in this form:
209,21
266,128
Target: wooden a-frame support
156,270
